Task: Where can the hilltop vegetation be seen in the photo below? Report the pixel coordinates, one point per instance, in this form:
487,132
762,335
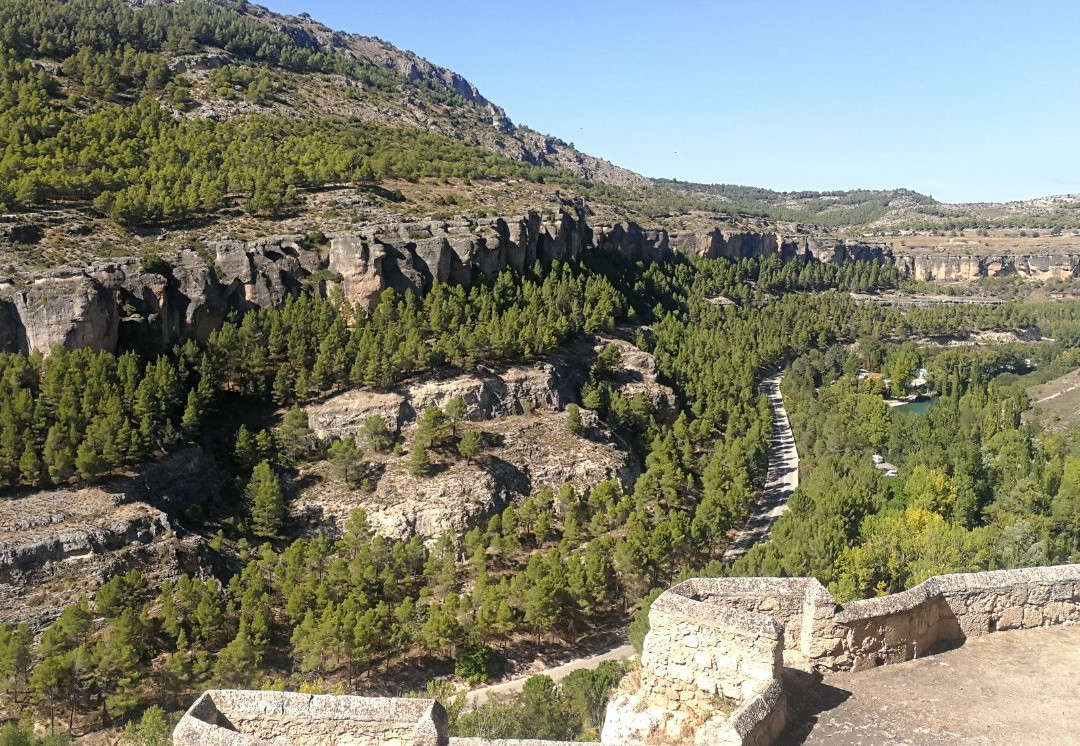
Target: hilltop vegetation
194,114
159,113
883,212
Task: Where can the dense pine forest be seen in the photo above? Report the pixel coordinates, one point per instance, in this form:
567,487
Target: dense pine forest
980,490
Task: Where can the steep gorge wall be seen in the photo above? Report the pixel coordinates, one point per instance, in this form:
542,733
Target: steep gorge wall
123,303
969,268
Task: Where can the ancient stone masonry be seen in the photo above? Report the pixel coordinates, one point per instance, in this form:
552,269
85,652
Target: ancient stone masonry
711,669
713,658
240,718
246,718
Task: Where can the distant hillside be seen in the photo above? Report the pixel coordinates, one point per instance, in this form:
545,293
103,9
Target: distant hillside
128,122
136,109
884,211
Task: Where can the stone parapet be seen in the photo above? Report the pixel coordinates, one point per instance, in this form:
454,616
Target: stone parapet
712,660
245,718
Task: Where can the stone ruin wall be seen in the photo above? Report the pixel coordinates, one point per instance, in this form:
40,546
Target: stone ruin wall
269,718
243,718
712,663
810,632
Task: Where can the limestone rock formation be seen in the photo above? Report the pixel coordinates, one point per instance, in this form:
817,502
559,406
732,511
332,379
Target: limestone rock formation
732,243
534,451
969,268
263,273
58,545
69,310
119,301
638,373
411,256
488,393
553,383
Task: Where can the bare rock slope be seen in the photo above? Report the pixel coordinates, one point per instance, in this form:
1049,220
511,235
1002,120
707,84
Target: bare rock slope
534,451
522,409
59,545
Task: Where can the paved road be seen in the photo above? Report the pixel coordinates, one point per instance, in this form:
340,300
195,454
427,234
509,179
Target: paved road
621,651
780,481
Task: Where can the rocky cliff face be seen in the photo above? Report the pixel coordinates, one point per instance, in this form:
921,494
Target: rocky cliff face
488,393
535,451
960,268
732,243
122,302
64,310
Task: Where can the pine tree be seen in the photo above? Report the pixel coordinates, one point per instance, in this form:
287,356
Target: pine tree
573,419
471,444
193,414
245,451
376,433
419,461
266,501
455,412
295,435
346,457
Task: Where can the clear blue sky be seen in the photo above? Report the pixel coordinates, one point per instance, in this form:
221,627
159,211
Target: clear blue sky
967,101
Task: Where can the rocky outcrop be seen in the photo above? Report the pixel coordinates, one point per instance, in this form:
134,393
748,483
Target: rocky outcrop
731,243
533,452
263,273
69,310
637,374
969,268
58,545
488,393
122,301
412,256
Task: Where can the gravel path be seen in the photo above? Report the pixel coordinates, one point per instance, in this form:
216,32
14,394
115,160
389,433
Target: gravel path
780,481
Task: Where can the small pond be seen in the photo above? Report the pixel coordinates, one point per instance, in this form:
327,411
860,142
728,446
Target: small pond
916,407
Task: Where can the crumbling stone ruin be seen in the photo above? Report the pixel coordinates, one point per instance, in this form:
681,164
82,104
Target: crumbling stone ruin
713,661
712,668
245,718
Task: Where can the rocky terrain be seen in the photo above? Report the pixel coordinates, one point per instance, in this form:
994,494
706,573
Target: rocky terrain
966,268
58,545
189,292
533,451
520,407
